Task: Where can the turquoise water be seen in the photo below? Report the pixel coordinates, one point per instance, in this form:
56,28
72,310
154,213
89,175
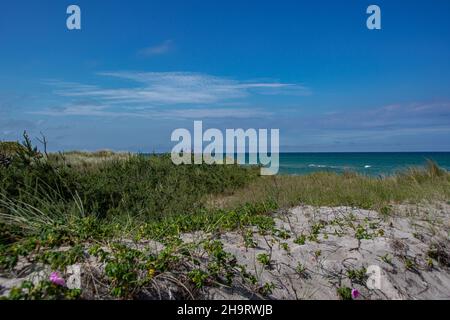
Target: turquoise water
366,163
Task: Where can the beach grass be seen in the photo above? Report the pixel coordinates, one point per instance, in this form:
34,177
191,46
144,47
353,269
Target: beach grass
130,190
80,199
427,183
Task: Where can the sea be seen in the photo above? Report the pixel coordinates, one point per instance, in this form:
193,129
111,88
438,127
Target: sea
373,163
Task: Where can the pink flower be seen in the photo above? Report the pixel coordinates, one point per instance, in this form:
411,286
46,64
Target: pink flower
56,279
355,293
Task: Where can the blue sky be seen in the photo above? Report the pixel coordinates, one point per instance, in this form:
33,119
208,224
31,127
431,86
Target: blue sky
139,69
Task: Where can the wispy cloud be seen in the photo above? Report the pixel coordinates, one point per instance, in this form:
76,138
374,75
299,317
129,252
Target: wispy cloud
155,50
412,116
406,126
163,88
407,118
176,94
174,114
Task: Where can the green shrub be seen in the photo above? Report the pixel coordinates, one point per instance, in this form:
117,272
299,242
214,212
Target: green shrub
10,148
345,293
148,187
45,290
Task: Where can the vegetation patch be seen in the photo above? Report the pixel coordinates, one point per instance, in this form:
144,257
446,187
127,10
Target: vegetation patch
63,209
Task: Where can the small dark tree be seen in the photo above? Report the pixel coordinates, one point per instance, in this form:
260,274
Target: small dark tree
28,154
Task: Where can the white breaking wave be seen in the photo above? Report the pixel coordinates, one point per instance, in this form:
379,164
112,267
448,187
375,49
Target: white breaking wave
325,166
317,166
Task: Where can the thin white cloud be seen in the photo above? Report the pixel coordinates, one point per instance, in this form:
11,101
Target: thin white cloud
158,49
171,95
103,111
171,88
395,116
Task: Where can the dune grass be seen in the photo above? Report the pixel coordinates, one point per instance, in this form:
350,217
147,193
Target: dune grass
348,189
86,161
84,200
107,191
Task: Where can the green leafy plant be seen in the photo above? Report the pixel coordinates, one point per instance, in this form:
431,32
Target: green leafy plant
264,259
198,277
387,259
44,290
123,268
317,253
362,233
281,233
301,270
62,259
344,293
300,240
249,241
285,247
358,275
410,264
267,289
